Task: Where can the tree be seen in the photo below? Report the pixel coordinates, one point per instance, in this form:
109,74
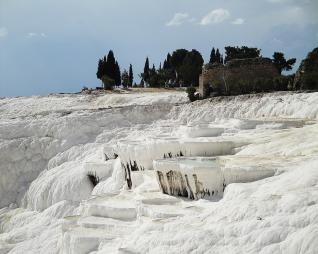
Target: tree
145,74
99,72
117,74
111,65
241,53
108,70
131,75
218,56
177,58
167,62
191,67
125,78
212,56
281,63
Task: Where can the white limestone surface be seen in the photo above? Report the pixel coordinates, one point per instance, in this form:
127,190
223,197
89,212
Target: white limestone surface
48,144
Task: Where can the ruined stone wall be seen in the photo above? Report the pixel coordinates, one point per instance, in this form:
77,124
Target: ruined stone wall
226,77
307,75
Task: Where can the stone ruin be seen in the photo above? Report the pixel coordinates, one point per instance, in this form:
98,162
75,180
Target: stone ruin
306,78
222,78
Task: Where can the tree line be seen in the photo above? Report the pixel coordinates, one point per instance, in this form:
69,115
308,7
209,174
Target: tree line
180,68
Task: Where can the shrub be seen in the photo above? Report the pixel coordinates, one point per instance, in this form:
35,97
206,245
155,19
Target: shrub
93,178
191,93
281,83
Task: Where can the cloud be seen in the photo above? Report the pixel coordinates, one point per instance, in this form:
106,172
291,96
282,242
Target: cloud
238,21
31,35
214,17
178,19
3,32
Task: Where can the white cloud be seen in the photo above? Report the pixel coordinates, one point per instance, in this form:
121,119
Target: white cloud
3,32
178,19
238,21
215,16
31,35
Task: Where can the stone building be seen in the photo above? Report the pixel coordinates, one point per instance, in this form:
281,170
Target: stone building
236,76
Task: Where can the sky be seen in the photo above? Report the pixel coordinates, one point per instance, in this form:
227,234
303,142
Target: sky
51,46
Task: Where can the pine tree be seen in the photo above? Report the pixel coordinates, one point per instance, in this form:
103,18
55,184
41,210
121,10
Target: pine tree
212,56
131,75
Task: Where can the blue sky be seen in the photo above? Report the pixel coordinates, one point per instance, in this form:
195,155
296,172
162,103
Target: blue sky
51,46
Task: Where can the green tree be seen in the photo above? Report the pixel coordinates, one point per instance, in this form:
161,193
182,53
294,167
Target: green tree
281,63
131,75
111,65
212,56
217,56
191,67
99,72
240,53
125,78
177,58
117,74
146,72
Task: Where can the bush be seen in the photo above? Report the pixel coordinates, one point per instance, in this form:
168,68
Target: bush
281,83
93,178
191,93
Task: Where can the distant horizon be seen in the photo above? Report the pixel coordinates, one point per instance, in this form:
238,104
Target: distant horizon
54,47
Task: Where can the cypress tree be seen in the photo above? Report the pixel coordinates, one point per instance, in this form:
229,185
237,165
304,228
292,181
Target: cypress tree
117,74
212,56
99,72
169,60
111,65
165,65
125,78
217,56
131,75
146,70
